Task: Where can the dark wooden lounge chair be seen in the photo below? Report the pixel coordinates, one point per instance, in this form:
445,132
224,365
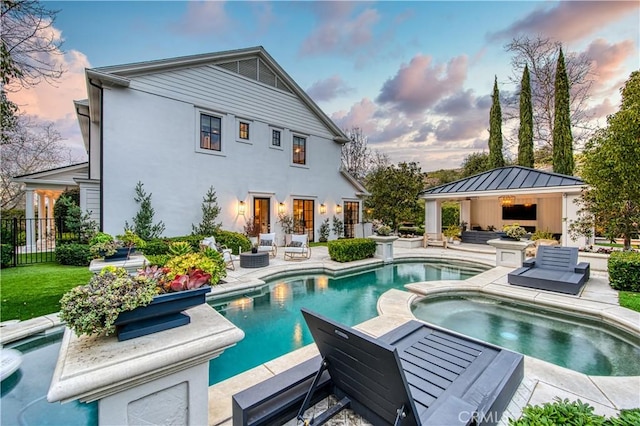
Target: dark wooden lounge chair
417,374
554,268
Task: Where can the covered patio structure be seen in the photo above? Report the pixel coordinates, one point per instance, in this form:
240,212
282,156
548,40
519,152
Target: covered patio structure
42,190
535,199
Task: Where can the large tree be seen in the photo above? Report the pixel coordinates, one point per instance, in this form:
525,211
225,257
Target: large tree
562,138
475,163
495,130
30,147
394,193
540,55
28,49
610,168
357,158
525,133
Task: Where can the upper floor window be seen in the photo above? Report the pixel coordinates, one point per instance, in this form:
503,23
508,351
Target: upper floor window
243,130
299,150
210,132
275,137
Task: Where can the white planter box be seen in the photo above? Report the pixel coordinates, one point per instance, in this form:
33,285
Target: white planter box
597,261
414,242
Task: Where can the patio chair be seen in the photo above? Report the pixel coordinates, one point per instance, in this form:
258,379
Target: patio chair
416,374
298,248
227,253
267,242
554,268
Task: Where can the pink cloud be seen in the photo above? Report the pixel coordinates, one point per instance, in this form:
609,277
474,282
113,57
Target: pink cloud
330,88
608,59
421,84
338,31
360,115
204,17
570,20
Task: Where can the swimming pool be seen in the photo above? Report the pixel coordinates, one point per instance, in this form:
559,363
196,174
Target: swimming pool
270,318
273,324
580,344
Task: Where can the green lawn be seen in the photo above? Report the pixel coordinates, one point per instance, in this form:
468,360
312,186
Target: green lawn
630,300
31,291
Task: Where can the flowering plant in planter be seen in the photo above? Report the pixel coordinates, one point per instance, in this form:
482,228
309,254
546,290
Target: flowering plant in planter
514,231
383,230
104,245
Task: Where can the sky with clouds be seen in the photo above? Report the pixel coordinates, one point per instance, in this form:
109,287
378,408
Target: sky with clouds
416,76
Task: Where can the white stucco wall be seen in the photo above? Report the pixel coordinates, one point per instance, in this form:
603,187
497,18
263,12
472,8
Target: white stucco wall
155,139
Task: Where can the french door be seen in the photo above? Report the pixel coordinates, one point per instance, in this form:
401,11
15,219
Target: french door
262,214
303,212
351,218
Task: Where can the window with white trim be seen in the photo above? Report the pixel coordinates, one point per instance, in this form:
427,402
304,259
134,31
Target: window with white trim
299,150
243,130
210,132
276,137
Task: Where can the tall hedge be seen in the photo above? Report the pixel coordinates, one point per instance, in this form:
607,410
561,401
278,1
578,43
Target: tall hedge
624,270
348,250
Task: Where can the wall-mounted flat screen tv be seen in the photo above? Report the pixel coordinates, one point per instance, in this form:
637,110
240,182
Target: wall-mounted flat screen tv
519,212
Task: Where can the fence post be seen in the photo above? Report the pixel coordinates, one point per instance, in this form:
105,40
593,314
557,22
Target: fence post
14,238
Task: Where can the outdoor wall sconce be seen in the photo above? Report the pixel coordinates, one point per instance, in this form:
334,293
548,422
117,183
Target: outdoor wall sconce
338,208
241,208
281,208
507,200
323,209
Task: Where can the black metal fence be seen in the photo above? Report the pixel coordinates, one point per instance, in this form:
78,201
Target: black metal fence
34,240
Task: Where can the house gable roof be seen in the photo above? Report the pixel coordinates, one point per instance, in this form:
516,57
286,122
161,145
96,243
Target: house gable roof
246,62
510,178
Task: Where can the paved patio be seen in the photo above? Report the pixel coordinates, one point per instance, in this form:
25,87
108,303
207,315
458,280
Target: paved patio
543,381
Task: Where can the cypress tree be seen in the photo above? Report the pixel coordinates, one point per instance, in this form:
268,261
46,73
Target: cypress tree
525,133
495,130
562,139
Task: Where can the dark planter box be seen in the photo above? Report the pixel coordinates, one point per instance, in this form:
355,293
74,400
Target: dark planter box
164,312
121,253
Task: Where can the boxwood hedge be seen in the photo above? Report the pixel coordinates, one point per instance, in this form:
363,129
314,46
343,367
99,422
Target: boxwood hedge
624,270
348,250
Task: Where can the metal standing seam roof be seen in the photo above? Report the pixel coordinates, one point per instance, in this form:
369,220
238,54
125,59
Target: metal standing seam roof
506,178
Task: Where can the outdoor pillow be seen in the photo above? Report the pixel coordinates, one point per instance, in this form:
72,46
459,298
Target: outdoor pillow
295,244
266,243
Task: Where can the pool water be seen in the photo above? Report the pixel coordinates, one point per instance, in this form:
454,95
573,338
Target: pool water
24,393
576,343
273,324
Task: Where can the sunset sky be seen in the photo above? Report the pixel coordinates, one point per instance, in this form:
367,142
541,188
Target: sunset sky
415,76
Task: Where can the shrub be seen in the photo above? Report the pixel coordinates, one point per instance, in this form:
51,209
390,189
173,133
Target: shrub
323,231
624,270
156,247
564,412
348,250
74,254
542,235
233,241
6,255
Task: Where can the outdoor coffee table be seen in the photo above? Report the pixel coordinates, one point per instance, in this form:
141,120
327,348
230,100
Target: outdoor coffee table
254,260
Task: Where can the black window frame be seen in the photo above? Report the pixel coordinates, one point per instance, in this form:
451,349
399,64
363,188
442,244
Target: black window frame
299,157
210,132
243,133
274,139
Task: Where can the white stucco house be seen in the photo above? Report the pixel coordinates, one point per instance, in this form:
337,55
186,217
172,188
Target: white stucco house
234,120
535,199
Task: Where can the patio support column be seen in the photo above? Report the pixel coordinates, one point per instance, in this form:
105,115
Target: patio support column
29,215
41,215
433,219
465,212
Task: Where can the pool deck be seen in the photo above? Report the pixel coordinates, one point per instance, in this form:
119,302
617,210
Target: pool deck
543,381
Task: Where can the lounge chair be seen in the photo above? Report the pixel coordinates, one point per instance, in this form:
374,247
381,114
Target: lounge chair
554,268
298,248
417,374
227,253
267,242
